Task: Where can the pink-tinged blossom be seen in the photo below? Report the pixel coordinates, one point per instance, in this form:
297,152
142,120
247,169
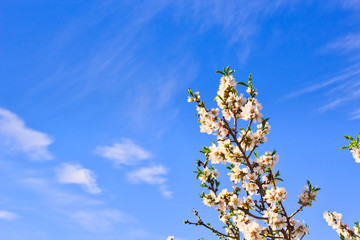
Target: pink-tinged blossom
274,219
307,197
251,110
273,196
334,220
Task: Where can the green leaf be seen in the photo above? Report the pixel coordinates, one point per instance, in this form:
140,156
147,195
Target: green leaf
349,138
309,184
218,71
205,150
250,80
264,122
190,92
357,224
218,96
242,83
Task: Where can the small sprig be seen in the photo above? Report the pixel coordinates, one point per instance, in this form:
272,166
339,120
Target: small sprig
355,143
354,147
226,72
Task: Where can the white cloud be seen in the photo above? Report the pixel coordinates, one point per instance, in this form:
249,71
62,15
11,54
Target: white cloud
126,152
5,215
165,192
76,174
153,175
18,137
51,193
99,220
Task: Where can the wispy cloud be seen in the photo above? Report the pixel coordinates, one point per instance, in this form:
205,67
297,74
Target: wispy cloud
154,175
52,193
353,5
355,114
341,89
8,216
242,19
90,214
113,57
120,56
125,152
347,43
350,73
16,135
75,174
129,153
100,220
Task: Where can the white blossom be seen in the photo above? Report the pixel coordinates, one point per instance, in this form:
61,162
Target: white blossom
356,154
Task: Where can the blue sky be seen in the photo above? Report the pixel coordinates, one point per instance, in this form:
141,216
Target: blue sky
97,140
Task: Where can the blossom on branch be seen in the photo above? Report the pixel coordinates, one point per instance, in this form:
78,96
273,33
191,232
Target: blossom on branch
254,208
334,218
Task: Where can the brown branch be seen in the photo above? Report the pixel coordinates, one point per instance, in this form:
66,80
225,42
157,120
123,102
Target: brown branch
293,214
201,223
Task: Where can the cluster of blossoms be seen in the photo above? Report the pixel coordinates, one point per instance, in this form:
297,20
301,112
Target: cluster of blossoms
308,195
334,218
208,173
253,209
354,147
356,154
344,231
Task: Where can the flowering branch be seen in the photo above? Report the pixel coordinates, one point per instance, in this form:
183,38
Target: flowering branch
255,196
354,147
208,226
334,218
344,231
